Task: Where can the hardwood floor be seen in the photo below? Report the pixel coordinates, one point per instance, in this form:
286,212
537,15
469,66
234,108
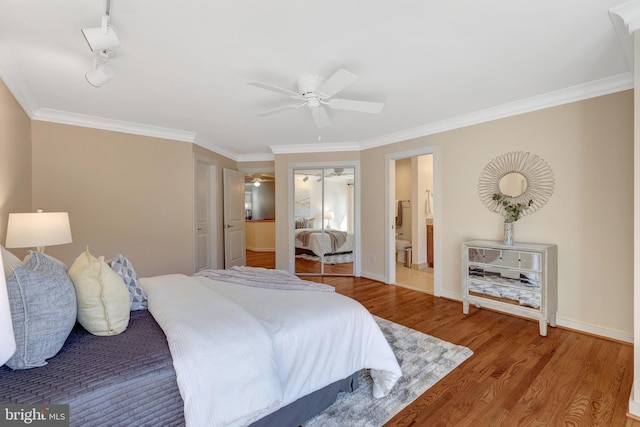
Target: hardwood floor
515,377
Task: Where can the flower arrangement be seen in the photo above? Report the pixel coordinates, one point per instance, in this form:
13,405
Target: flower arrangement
512,211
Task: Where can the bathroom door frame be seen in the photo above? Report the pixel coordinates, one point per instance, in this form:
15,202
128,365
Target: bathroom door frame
390,195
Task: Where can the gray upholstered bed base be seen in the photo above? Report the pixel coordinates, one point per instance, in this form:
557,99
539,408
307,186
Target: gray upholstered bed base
128,379
308,406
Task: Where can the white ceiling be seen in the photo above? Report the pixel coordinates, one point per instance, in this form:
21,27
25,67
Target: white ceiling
182,67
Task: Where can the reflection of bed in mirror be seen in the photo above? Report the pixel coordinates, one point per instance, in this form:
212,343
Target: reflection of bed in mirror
323,242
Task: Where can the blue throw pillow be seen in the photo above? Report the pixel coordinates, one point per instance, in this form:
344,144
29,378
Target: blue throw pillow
43,310
124,268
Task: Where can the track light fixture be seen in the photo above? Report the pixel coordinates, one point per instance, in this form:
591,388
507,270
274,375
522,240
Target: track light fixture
102,37
305,179
100,40
101,73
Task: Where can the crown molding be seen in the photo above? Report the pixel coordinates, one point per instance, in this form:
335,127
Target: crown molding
581,92
626,19
82,120
16,85
629,12
315,148
258,157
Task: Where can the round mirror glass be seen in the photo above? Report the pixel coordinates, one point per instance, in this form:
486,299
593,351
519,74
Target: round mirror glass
513,184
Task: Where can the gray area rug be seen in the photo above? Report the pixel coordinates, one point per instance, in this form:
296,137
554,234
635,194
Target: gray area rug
424,360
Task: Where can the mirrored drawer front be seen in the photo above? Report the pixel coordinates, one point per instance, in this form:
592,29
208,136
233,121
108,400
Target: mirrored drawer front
522,297
507,258
520,279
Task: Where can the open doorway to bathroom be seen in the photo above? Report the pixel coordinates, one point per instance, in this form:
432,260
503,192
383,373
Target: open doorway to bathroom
412,249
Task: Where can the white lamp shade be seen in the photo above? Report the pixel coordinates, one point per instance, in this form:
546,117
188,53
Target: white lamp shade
26,230
7,339
100,75
328,215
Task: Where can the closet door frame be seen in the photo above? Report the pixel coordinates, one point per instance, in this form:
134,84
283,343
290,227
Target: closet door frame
356,205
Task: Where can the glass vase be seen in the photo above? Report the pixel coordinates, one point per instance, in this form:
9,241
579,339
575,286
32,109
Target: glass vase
508,233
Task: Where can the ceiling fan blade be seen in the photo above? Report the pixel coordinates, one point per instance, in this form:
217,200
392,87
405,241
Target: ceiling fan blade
281,108
321,117
276,89
337,82
353,105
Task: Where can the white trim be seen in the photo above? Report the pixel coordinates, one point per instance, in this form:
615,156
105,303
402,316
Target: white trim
83,120
630,14
593,89
16,85
634,407
357,262
389,252
315,148
258,157
372,276
595,330
570,324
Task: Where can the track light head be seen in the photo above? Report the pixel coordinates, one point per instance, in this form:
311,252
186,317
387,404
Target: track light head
100,75
101,38
305,179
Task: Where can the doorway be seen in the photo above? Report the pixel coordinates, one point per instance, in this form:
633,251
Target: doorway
205,234
413,203
324,222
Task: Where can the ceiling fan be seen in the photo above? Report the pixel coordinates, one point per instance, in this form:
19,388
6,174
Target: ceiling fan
315,91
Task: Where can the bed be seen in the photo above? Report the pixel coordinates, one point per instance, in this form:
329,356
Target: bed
323,242
244,347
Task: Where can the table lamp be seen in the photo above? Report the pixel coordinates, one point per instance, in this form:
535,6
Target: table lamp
38,230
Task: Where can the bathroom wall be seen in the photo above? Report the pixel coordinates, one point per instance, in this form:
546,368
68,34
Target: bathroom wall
403,192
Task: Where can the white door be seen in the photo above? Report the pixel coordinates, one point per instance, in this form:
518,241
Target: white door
205,249
234,244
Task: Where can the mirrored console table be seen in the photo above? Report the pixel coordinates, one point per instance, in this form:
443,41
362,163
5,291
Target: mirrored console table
520,279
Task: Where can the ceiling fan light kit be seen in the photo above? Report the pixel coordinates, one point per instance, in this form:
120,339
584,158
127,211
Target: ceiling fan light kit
316,91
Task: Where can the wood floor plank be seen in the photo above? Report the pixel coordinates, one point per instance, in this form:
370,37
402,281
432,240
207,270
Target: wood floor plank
515,377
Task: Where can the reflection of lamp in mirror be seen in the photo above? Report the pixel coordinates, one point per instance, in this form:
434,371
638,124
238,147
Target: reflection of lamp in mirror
26,230
328,215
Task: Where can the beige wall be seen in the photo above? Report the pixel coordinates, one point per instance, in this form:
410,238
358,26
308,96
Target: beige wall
283,162
15,161
589,146
124,193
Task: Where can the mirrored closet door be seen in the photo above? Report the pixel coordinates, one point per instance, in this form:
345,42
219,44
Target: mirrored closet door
324,221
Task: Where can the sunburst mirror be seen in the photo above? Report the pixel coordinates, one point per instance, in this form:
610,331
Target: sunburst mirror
519,177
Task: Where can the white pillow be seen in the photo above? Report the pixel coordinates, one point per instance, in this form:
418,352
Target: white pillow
103,298
7,339
9,261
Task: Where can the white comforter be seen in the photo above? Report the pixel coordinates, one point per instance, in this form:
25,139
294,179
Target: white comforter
241,353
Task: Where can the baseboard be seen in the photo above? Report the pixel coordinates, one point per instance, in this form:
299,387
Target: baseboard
595,330
372,276
569,324
634,407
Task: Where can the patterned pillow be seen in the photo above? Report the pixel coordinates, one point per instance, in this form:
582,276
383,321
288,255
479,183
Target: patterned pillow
43,310
137,296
